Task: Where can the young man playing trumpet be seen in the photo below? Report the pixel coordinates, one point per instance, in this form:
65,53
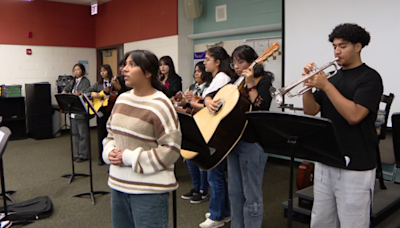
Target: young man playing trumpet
343,197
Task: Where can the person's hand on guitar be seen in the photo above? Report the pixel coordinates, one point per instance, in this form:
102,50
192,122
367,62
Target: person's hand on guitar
95,95
116,85
176,100
249,77
188,94
107,90
211,104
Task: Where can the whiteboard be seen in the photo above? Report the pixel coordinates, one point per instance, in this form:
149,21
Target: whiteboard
309,22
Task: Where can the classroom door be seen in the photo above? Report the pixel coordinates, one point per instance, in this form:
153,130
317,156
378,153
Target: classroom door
110,57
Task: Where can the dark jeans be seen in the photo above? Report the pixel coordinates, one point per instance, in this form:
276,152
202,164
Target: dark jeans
139,210
199,177
219,201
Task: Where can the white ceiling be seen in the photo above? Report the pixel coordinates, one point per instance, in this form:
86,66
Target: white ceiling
80,2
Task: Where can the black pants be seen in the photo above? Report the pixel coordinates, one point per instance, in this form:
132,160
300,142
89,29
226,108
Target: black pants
102,131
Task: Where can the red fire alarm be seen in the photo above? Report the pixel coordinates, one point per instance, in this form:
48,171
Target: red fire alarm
29,34
29,51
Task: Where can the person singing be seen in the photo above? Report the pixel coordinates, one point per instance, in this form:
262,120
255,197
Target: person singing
142,146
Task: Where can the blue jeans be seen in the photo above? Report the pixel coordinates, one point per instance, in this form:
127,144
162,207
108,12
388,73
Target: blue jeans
139,210
246,165
219,202
199,177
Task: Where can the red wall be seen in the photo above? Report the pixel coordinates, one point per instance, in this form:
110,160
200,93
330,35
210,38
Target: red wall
52,24
122,21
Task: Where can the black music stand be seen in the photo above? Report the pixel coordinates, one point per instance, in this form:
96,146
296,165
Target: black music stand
5,134
7,193
65,126
70,103
192,140
303,136
75,104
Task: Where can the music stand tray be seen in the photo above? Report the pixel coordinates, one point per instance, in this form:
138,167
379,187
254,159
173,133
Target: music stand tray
76,104
306,137
7,193
70,103
193,141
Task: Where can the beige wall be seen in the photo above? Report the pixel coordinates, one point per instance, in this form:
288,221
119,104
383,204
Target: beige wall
44,65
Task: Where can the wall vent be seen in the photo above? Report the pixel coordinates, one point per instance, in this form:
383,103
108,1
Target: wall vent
220,13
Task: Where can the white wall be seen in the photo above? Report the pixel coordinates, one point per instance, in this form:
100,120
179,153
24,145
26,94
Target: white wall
185,47
44,65
159,46
178,47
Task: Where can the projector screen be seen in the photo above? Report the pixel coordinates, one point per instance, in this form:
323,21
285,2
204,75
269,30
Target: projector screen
307,24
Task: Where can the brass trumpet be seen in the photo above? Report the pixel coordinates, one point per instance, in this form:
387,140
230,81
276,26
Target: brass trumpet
278,94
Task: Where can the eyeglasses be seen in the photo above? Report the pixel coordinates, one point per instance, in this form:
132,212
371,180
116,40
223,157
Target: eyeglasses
208,60
239,62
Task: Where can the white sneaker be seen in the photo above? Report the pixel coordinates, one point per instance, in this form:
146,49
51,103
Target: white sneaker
5,224
211,224
225,220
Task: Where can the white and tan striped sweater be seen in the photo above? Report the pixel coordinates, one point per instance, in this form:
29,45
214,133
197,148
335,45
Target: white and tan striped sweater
147,130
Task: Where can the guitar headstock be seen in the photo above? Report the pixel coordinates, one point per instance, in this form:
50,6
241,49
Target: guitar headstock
267,53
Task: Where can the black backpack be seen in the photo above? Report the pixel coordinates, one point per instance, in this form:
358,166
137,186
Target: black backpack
33,209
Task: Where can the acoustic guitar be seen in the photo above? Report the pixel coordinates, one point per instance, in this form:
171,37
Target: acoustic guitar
107,101
178,97
223,129
305,175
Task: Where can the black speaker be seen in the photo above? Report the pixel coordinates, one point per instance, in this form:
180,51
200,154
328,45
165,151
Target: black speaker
62,81
39,110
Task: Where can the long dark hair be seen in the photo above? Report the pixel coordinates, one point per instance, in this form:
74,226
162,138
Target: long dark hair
205,76
167,60
247,53
148,62
109,71
219,53
80,65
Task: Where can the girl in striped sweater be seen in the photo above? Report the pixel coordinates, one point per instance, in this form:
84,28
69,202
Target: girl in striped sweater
142,145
